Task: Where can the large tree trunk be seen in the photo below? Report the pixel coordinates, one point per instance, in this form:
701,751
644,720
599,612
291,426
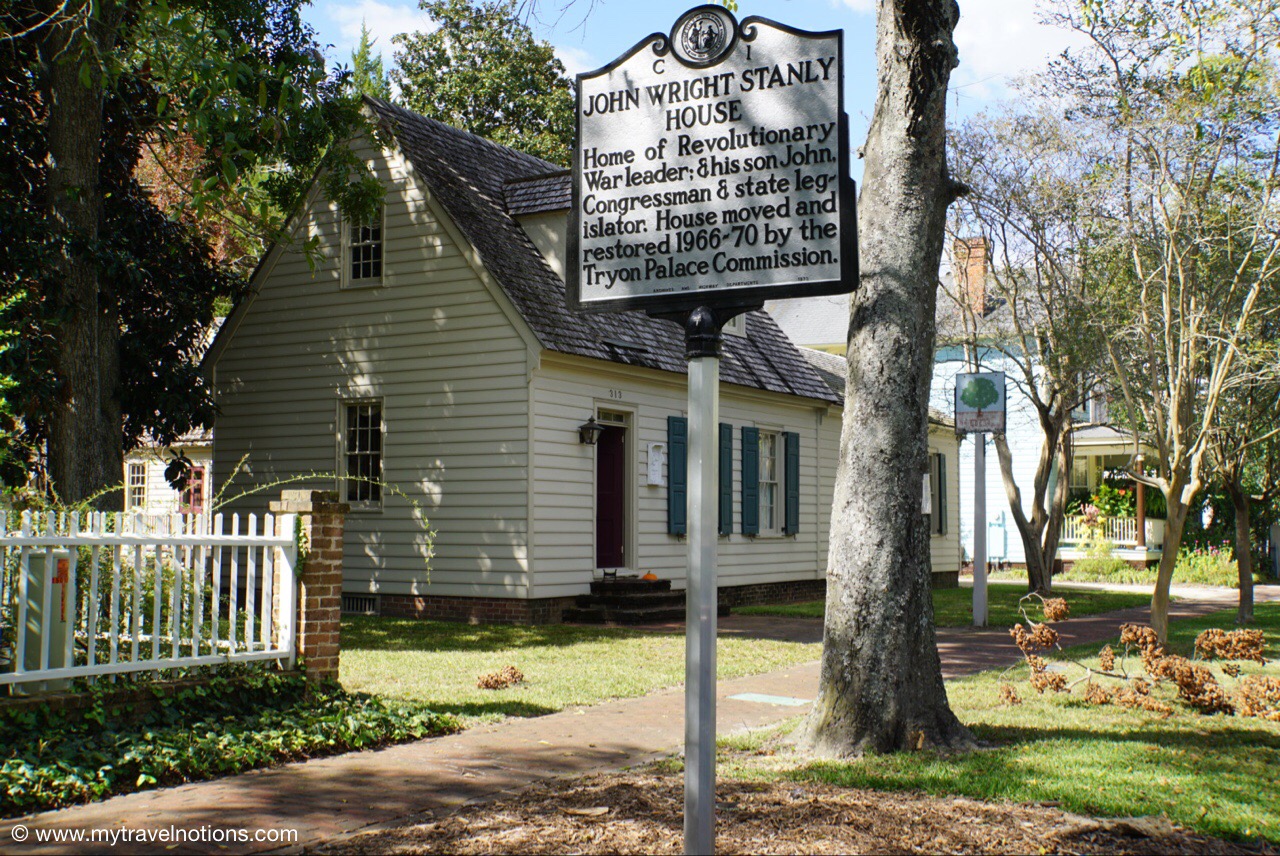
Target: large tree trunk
1244,551
881,684
85,450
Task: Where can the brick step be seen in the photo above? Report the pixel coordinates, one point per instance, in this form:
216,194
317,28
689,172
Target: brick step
629,585
636,600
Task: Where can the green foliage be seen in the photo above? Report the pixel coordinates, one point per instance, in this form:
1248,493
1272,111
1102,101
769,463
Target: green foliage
1105,569
367,74
483,71
234,722
243,85
1115,501
1212,566
979,393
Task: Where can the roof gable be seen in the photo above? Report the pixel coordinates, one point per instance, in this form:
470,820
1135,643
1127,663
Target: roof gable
474,180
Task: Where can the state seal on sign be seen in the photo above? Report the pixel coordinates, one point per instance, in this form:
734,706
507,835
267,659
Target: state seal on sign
703,36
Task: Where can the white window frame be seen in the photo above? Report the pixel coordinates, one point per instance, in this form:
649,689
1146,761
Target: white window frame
347,226
139,467
344,408
937,502
778,483
737,325
1079,460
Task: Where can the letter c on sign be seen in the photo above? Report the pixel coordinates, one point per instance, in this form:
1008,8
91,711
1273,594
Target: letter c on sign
656,66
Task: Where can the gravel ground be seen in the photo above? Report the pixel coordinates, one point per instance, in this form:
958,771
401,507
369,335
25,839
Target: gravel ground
641,812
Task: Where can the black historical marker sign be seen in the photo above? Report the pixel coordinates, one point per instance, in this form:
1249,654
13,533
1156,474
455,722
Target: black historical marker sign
711,169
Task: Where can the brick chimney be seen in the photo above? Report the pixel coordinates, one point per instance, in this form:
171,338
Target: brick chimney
969,268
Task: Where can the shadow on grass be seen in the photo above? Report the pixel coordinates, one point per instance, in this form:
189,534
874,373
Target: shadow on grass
1214,739
492,709
381,633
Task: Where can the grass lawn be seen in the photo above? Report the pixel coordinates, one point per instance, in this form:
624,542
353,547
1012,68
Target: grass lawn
954,607
1215,774
438,663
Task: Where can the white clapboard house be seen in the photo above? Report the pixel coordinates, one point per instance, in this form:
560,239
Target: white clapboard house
431,348
147,490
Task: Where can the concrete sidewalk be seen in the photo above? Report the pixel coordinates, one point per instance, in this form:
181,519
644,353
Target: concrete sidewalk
328,799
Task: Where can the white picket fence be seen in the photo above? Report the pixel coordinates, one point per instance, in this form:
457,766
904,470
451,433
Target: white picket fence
110,593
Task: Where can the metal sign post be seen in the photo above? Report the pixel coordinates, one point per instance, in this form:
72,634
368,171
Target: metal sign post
979,409
979,529
710,173
702,348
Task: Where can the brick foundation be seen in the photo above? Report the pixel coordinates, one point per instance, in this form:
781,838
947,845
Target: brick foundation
757,594
476,610
319,576
503,610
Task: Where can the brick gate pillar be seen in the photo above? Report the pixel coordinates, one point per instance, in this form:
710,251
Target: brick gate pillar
322,519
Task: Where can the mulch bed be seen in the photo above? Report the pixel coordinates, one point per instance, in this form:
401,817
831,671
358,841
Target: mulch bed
642,812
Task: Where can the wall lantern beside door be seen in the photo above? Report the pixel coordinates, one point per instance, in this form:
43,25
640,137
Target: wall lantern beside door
590,431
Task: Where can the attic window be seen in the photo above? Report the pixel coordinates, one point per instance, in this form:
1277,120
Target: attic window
364,250
737,325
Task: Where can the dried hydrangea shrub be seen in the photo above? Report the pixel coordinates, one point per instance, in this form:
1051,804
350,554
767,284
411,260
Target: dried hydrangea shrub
1259,695
1196,684
1044,680
1096,694
1056,609
1008,695
1242,644
501,679
1129,697
1107,659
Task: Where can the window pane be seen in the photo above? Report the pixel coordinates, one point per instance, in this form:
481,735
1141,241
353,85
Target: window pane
366,248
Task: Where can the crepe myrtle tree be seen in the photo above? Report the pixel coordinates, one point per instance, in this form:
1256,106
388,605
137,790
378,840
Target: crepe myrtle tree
1244,453
881,685
1184,195
1027,173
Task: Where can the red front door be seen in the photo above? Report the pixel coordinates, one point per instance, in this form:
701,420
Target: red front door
611,498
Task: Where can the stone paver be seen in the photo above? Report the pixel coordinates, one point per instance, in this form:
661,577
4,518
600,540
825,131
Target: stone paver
331,798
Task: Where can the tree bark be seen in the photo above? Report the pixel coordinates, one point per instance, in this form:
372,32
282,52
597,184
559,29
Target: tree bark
881,683
85,447
1244,551
1174,524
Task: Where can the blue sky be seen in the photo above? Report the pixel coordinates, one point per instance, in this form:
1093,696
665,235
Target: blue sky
998,39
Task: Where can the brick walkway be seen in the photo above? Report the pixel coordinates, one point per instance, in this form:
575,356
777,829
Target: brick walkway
331,798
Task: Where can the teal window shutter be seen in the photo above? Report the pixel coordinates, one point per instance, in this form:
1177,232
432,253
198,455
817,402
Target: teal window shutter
750,481
941,510
726,479
791,473
677,475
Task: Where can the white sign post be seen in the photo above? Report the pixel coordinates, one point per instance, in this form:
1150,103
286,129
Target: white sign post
979,409
710,173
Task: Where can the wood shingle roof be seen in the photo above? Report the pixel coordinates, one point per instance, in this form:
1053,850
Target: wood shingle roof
483,185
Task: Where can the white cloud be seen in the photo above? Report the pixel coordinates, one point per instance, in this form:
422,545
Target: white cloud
576,60
1000,39
384,20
